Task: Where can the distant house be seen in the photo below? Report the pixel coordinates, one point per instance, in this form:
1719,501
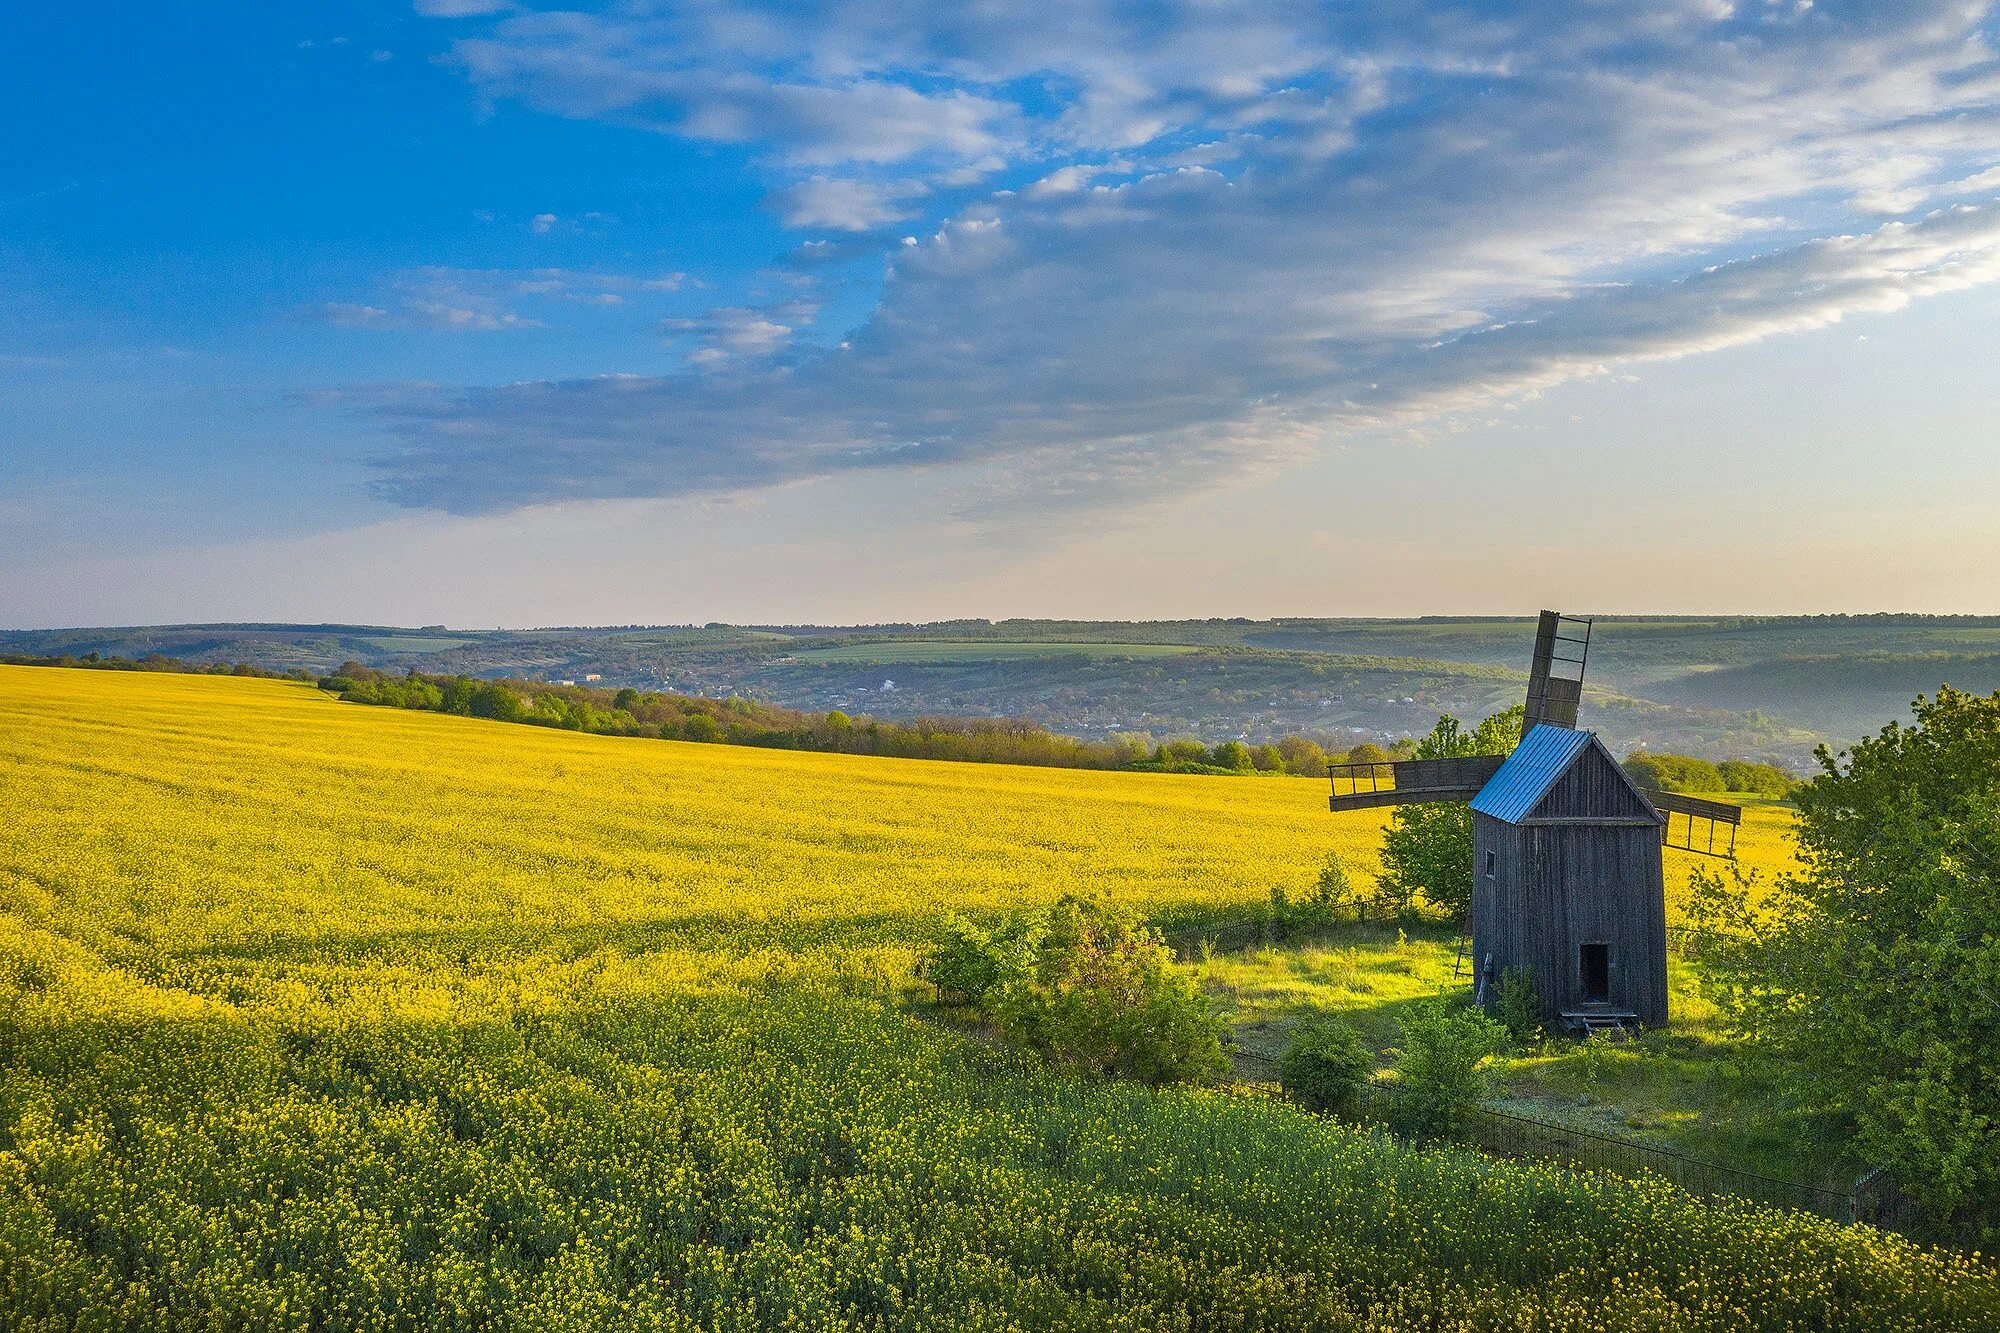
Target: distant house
592,678
562,682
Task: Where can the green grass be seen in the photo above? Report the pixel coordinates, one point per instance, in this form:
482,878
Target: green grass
938,650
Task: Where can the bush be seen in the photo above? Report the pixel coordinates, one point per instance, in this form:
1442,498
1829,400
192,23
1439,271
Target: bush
1439,1078
1101,990
1324,1064
969,964
1333,893
1518,1006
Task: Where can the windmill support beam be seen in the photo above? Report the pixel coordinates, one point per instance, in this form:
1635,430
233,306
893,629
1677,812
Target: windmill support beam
1410,781
1705,827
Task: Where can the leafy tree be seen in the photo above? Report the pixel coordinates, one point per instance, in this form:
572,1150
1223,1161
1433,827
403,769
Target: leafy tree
1303,757
1440,1074
1427,849
702,727
1876,967
1174,754
625,700
1324,1064
1368,753
1267,759
1674,772
1755,779
497,702
1232,754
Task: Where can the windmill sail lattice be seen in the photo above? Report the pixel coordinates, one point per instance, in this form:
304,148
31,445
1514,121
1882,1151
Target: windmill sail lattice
1555,679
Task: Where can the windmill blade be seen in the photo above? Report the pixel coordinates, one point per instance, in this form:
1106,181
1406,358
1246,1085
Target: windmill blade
1410,781
1706,827
1555,678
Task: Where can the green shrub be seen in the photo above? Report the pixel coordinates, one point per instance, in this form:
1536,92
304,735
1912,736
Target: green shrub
1439,1078
1518,1006
1324,1064
969,964
1102,991
1334,891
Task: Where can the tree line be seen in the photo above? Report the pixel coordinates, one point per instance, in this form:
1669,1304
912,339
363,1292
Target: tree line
152,662
627,711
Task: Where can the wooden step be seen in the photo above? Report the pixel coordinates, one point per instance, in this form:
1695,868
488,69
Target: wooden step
1616,1024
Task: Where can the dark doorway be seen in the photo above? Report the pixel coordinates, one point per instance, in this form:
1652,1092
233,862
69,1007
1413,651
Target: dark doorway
1594,972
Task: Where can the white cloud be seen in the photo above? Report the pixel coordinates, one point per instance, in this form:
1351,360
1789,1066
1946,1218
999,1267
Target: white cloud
460,319
351,315
844,205
1249,228
456,300
458,9
730,335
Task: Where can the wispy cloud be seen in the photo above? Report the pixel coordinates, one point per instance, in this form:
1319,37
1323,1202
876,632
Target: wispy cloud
731,335
845,205
456,300
1237,231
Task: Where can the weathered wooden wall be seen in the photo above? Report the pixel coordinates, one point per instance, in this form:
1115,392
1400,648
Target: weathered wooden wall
1557,885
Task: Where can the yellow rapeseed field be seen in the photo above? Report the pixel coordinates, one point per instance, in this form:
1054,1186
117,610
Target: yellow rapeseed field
317,1015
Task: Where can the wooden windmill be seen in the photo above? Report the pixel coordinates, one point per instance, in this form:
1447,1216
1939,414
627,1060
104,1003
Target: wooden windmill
1568,880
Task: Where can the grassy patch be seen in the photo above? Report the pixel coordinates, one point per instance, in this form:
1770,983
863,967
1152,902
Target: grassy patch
1691,1088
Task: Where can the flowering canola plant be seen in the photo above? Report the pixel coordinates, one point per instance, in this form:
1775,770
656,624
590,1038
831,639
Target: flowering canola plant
321,1016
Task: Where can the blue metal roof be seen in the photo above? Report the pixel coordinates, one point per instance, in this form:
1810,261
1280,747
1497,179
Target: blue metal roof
1543,755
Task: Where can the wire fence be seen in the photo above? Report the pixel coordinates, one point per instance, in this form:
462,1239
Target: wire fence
1273,927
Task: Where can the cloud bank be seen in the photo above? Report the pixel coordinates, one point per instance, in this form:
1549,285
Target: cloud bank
1156,246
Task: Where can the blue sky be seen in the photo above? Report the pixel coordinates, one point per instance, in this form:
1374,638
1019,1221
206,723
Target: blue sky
489,314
